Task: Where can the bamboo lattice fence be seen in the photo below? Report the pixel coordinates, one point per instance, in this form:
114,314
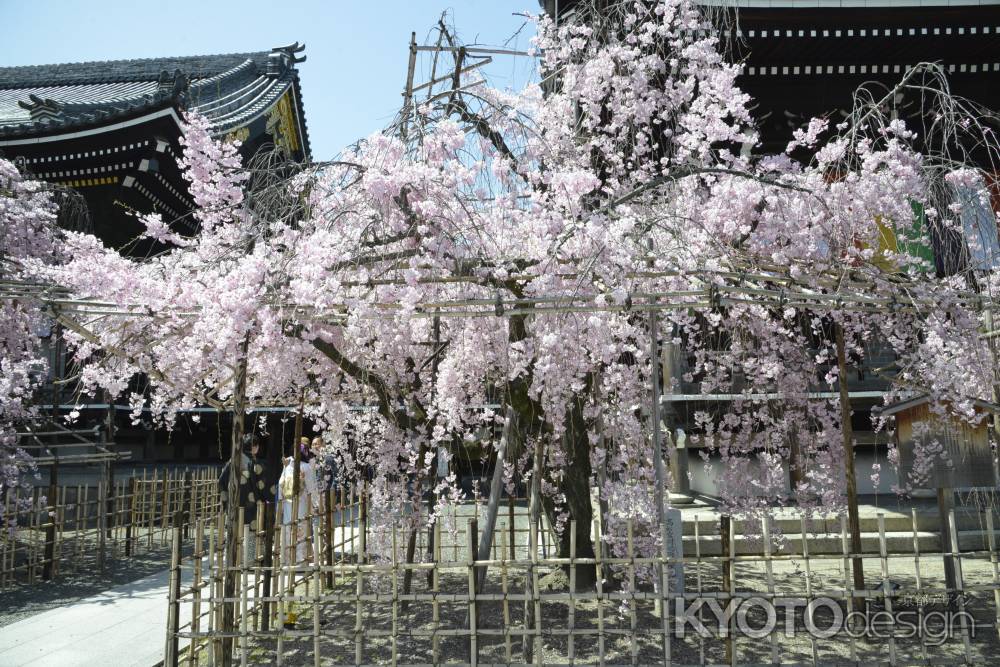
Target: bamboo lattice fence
353,606
72,528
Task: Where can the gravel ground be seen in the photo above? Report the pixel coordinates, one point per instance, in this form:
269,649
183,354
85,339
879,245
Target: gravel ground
338,643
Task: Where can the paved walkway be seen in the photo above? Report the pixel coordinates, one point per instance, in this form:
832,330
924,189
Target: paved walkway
124,626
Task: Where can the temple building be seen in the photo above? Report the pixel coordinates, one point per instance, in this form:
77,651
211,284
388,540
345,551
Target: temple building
805,59
808,58
111,129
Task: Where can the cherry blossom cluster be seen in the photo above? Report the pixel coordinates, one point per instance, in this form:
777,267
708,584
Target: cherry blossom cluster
27,224
506,249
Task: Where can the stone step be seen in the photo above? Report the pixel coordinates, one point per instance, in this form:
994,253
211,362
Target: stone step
895,522
822,544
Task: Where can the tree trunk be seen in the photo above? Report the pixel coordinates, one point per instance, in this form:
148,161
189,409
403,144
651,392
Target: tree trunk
575,487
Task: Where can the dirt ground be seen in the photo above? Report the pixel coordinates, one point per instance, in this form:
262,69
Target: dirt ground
632,631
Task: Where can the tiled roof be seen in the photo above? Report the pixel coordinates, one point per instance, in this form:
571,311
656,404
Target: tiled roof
230,89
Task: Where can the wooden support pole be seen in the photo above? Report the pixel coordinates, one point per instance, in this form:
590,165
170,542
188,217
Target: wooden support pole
726,540
170,655
473,530
853,521
496,490
231,555
48,566
531,577
659,493
130,515
510,523
328,497
102,523
408,93
110,495
270,528
186,503
946,505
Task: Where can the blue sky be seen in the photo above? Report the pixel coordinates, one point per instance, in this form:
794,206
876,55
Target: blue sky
357,49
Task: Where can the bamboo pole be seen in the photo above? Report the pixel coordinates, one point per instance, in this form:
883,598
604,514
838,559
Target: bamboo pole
231,556
854,523
496,489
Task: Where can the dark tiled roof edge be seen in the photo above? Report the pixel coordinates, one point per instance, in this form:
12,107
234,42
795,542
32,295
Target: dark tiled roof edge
108,71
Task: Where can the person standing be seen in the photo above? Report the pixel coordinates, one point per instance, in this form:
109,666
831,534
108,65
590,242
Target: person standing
253,487
328,470
293,519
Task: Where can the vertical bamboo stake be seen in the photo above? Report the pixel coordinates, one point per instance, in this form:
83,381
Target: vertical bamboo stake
887,594
435,588
151,509
37,536
510,522
991,542
78,534
130,516
363,558
769,576
328,503
174,593
659,493
394,576
664,597
231,553
809,594
164,506
571,612
536,601
847,584
279,566
196,585
852,483
632,617
698,581
496,489
102,523
919,580
728,579
959,587
10,534
316,606
271,527
215,590
504,592
599,570
359,635
242,545
408,93
48,566
473,584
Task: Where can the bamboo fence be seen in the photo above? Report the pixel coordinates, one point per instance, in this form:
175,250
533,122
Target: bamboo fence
61,529
354,603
